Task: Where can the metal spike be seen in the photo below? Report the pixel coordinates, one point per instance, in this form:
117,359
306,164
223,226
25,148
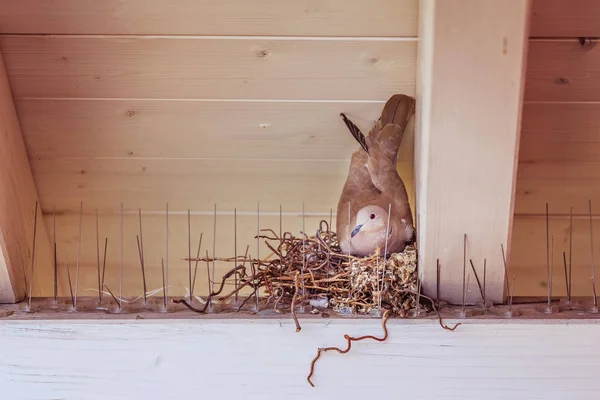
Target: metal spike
566,278
32,256
258,255
592,257
548,255
210,292
55,263
303,249
196,268
570,252
23,270
162,263
484,276
121,260
70,285
551,273
505,270
167,255
212,285
104,262
190,255
387,236
437,283
78,256
464,291
98,259
143,261
235,276
478,282
143,269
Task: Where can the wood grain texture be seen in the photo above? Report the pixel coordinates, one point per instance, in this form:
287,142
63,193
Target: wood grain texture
205,129
559,158
192,17
565,18
208,68
563,70
192,183
467,142
18,197
267,359
528,259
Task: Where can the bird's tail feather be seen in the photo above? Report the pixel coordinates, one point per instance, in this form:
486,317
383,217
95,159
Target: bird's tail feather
355,131
397,111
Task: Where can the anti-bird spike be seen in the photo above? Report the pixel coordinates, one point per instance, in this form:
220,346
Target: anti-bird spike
98,259
385,251
167,255
121,260
235,276
54,246
592,256
78,256
212,284
142,260
32,256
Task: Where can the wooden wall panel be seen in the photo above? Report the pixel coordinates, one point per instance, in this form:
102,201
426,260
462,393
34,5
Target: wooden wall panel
565,18
197,184
196,103
205,17
197,129
160,68
563,70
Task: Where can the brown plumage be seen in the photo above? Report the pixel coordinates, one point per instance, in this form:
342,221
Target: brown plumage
373,184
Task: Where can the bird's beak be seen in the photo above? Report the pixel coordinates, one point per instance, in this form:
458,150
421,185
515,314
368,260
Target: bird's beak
356,230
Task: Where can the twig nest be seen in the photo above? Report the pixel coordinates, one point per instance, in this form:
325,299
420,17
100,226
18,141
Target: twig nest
372,283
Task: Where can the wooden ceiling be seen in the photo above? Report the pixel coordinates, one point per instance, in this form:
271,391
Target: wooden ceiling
197,102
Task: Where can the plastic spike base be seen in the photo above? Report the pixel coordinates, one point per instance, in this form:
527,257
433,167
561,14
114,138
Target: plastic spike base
592,310
505,312
549,309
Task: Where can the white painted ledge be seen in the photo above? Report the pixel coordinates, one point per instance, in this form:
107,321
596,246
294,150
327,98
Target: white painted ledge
266,359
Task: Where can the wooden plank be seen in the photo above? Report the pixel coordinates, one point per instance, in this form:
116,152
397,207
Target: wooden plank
561,122
565,18
560,194
562,70
208,68
179,129
467,145
239,358
18,197
192,183
528,259
192,17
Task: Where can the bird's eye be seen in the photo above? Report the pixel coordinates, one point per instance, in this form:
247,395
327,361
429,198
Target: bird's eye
372,216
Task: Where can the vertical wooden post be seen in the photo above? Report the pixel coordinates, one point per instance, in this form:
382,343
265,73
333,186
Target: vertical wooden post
18,196
472,56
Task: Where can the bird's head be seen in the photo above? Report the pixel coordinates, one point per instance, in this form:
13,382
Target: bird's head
371,221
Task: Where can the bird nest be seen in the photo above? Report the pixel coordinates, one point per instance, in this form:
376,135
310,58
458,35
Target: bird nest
312,274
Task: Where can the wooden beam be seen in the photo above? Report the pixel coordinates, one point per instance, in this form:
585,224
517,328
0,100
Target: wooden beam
267,359
472,57
18,197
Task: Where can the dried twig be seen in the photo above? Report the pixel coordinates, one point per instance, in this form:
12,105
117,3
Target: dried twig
350,339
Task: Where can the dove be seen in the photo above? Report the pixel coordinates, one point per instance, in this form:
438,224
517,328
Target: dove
374,194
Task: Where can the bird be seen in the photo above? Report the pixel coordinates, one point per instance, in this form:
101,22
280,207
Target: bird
373,205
